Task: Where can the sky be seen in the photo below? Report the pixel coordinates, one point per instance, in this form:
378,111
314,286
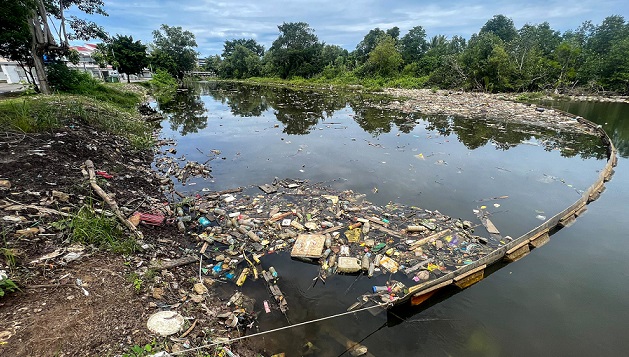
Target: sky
337,22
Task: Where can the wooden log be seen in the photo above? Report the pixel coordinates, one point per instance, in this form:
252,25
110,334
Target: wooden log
110,201
162,265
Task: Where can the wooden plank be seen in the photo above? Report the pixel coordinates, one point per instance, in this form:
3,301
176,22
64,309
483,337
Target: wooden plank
518,246
491,228
475,270
308,246
434,287
539,240
518,254
470,280
387,231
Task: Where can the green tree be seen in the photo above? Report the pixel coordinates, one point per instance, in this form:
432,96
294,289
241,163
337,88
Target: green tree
15,36
413,45
368,43
213,64
296,51
500,26
37,14
487,64
126,55
173,50
250,44
384,60
532,52
241,63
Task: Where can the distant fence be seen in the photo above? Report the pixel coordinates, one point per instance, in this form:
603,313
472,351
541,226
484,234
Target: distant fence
521,246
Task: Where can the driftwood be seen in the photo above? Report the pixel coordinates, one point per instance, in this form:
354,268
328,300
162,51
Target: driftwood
110,201
161,265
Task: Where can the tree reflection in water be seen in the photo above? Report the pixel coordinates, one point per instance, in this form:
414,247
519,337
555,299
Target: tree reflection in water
186,113
300,111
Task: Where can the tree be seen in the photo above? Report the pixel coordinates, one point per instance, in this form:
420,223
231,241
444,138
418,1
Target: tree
250,44
213,64
296,51
369,42
385,60
36,14
487,63
241,63
173,50
500,26
127,56
413,45
15,36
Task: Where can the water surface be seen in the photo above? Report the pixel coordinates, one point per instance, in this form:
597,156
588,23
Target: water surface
543,304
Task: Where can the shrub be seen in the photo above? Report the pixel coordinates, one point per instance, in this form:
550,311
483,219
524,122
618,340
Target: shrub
163,86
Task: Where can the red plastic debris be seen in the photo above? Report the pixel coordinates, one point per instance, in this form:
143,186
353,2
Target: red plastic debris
104,174
151,219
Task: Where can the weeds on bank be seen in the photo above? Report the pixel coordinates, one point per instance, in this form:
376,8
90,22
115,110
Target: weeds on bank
98,229
6,284
46,113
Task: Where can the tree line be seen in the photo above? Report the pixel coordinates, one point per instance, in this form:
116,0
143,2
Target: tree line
29,37
499,58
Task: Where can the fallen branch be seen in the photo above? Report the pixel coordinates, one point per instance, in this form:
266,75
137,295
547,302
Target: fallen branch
20,206
161,265
110,201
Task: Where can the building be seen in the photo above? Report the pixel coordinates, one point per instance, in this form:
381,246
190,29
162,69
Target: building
11,72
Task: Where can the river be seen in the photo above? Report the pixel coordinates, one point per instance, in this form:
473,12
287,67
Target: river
566,298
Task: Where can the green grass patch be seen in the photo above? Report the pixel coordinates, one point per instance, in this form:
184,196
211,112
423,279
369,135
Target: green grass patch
530,96
91,228
42,113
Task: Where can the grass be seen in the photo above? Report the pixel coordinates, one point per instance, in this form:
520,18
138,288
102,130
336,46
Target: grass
102,107
345,81
91,228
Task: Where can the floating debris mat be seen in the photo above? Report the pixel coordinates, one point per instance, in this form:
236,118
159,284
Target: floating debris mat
340,231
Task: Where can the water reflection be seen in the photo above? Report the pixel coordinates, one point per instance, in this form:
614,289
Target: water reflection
301,111
186,113
612,116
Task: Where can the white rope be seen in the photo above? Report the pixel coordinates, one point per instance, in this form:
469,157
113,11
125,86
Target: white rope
277,329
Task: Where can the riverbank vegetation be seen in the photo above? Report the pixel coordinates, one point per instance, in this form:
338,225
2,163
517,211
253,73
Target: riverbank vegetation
499,58
80,100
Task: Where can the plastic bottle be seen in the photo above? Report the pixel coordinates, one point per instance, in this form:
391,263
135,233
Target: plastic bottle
220,212
378,289
365,262
204,221
273,272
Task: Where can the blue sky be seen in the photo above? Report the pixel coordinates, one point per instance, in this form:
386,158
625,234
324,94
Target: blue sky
338,22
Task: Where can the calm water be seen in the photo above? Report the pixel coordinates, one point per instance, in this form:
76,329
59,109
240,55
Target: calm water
567,298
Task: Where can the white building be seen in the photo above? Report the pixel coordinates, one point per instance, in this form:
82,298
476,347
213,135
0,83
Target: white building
11,72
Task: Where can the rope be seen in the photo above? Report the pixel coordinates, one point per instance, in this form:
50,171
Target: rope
277,329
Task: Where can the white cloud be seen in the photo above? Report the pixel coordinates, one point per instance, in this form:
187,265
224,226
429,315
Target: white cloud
337,22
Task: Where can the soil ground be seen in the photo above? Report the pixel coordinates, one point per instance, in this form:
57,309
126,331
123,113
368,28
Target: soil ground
106,315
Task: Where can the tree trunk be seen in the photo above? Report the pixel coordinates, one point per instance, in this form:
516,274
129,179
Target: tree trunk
128,79
37,54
